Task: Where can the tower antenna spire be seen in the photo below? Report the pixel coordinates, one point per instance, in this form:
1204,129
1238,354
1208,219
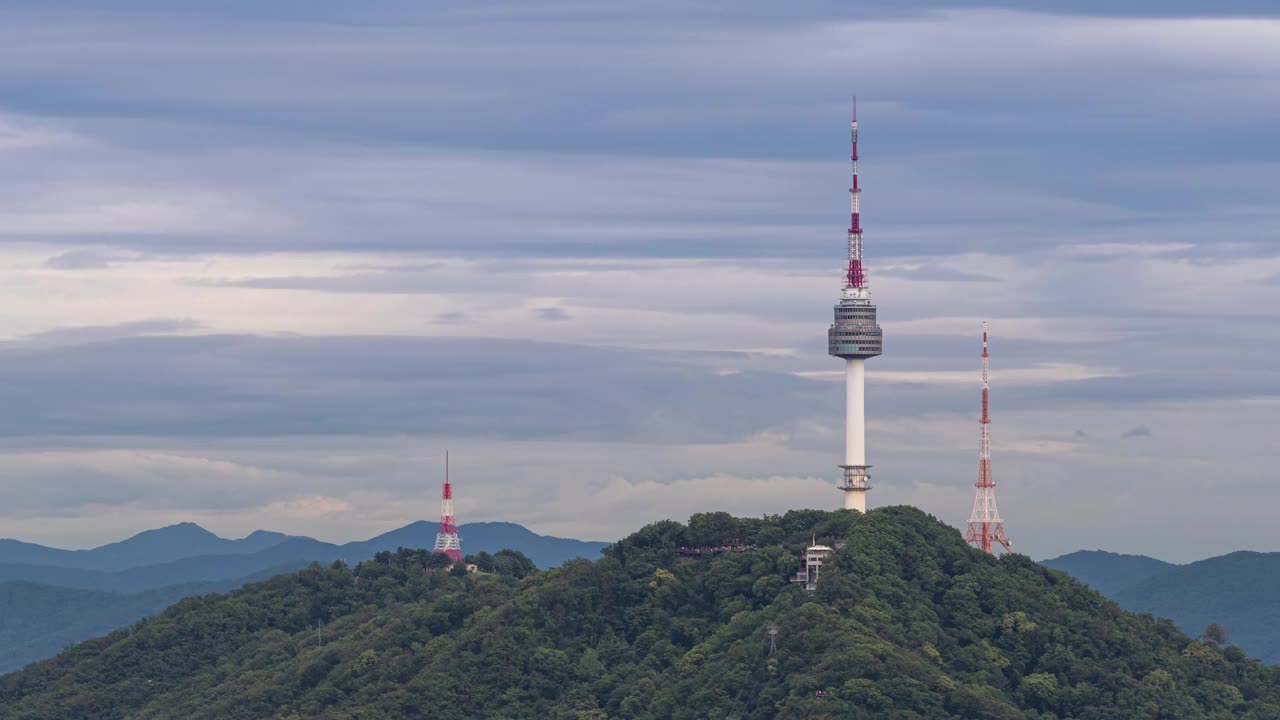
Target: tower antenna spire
854,276
985,526
855,336
447,539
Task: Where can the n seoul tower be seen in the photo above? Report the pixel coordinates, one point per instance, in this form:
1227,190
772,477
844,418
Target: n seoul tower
855,336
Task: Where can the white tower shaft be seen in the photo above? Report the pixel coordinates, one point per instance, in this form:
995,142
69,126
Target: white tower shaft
855,438
855,435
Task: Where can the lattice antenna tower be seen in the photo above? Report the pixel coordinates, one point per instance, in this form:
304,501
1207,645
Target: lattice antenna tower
985,526
447,540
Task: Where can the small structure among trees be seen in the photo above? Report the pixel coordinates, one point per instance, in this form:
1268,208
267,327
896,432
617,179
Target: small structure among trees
735,546
512,563
807,576
1215,635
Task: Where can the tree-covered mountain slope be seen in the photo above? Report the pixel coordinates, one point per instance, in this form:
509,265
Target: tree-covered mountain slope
907,622
36,621
1240,591
43,608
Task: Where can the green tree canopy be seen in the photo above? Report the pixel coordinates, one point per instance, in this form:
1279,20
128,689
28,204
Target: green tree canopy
907,622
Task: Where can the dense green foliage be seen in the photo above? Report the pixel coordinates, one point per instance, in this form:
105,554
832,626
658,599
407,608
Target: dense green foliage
81,594
907,622
36,621
1241,591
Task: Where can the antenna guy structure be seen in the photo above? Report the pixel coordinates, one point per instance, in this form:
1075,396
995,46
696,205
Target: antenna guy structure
985,525
447,540
855,336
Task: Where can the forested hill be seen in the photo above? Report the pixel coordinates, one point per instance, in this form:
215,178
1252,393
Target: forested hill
1240,591
907,622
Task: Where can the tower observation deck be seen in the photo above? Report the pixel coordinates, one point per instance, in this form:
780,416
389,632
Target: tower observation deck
855,336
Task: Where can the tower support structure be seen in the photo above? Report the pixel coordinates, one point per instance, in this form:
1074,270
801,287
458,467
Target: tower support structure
986,529
855,336
447,539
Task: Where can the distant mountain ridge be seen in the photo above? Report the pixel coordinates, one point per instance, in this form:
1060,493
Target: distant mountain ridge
51,597
1240,590
150,547
1108,572
199,568
153,553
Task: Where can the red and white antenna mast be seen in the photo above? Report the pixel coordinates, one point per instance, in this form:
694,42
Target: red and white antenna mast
447,540
985,525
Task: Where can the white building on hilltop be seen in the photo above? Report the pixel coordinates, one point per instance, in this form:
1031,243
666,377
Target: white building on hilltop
807,576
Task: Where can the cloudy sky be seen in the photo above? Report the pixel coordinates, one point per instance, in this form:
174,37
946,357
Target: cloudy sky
261,263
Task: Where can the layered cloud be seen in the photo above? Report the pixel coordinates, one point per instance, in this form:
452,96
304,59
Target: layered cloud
261,264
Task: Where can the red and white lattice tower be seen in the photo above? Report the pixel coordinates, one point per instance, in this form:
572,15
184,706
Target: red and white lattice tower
447,540
985,525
